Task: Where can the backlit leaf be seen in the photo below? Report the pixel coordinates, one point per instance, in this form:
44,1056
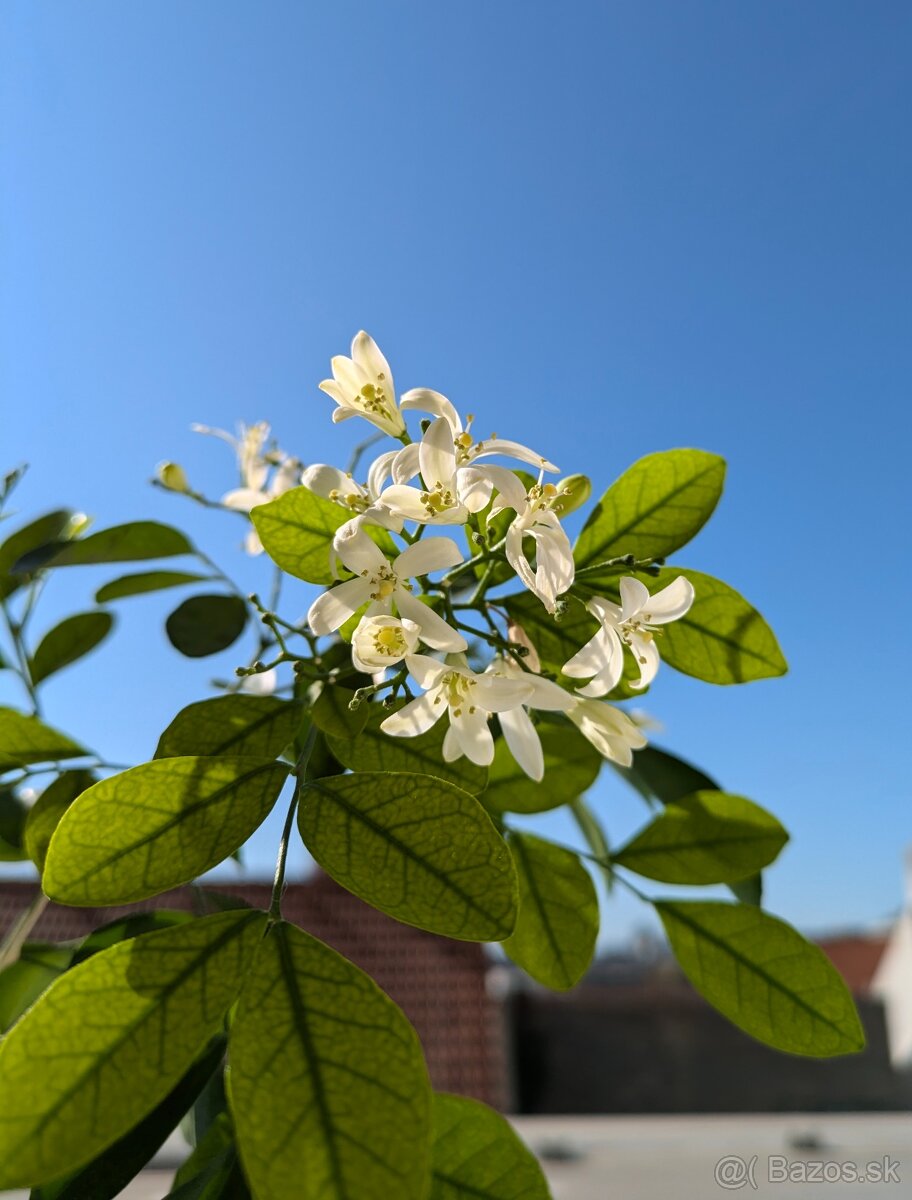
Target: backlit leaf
44,815
708,837
328,1086
35,536
421,850
69,641
143,582
133,542
25,740
558,921
109,1040
477,1155
331,712
373,750
255,726
157,826
655,507
572,765
764,976
297,529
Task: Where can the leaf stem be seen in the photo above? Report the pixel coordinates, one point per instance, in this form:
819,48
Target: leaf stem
21,928
21,667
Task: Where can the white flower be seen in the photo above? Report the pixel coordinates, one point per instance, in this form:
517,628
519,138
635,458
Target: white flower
341,488
362,386
468,698
554,568
381,642
611,731
255,464
382,585
425,400
445,458
519,733
633,624
263,683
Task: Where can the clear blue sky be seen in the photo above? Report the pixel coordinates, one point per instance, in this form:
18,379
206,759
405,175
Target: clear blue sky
605,228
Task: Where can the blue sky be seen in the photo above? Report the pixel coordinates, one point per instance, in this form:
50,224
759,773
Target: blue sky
604,228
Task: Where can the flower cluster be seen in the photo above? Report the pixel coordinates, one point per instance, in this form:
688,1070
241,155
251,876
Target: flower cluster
394,603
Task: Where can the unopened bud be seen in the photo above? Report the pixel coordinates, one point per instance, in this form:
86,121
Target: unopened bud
572,493
172,477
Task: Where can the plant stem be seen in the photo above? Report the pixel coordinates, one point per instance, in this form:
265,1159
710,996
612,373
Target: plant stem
300,769
22,667
21,928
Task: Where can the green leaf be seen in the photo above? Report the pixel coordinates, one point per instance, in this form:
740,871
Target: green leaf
477,1156
417,848
595,838
572,765
764,976
25,740
44,815
108,1041
69,641
22,982
709,837
656,773
374,750
207,624
331,712
133,542
13,815
297,529
328,1087
655,507
33,537
212,1172
558,921
256,726
157,826
145,581
122,928
748,891
106,1176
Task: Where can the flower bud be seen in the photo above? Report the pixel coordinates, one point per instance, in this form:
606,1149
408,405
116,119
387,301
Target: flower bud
172,477
572,493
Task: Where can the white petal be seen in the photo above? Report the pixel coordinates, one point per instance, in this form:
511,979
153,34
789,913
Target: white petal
405,502
524,743
634,595
604,611
334,607
554,563
417,717
426,671
452,747
471,728
379,472
244,499
511,488
548,695
603,652
435,632
357,550
671,603
350,378
437,455
431,554
510,449
425,400
473,488
323,480
515,557
646,654
406,464
500,695
612,732
367,354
